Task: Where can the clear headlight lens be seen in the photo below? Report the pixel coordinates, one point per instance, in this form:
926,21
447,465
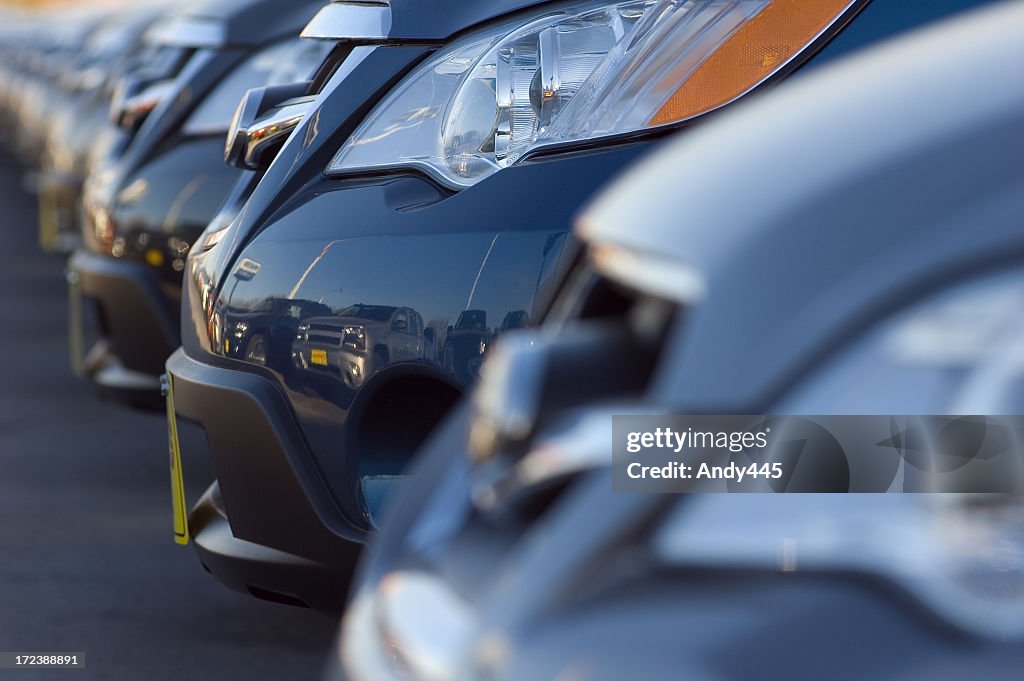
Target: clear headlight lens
587,71
958,352
413,627
961,555
353,337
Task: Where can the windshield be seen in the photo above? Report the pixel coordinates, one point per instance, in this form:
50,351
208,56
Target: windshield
376,313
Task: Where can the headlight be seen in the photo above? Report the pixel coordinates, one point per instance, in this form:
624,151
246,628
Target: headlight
587,71
962,556
955,352
413,627
354,337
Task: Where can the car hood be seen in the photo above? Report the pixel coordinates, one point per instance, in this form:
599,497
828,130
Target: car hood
438,20
248,23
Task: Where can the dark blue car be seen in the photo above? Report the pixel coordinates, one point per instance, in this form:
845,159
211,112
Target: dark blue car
438,172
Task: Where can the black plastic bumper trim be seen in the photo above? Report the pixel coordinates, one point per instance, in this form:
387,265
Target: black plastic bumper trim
272,492
140,330
261,571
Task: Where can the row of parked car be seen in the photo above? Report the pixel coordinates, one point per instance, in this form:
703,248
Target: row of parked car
389,257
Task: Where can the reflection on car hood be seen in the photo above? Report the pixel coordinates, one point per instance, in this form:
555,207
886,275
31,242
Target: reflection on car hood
439,20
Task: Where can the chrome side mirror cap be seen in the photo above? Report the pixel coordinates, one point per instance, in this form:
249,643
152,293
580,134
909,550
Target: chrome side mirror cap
359,21
264,119
135,98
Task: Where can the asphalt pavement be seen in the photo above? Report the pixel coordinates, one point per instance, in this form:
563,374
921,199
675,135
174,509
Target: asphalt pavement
87,560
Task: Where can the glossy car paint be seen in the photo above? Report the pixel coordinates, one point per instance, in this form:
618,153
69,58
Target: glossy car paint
468,281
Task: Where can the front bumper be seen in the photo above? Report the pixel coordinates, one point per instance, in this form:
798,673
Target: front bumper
122,325
271,528
258,570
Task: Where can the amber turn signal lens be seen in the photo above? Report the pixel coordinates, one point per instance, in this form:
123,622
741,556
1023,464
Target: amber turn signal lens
754,52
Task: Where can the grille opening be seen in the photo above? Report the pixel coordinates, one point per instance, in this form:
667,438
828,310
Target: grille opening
603,299
610,341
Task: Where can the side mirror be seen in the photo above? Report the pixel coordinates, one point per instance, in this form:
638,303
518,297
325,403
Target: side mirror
262,122
400,325
134,98
529,376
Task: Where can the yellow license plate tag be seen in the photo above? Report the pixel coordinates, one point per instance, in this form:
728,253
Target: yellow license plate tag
178,508
318,357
